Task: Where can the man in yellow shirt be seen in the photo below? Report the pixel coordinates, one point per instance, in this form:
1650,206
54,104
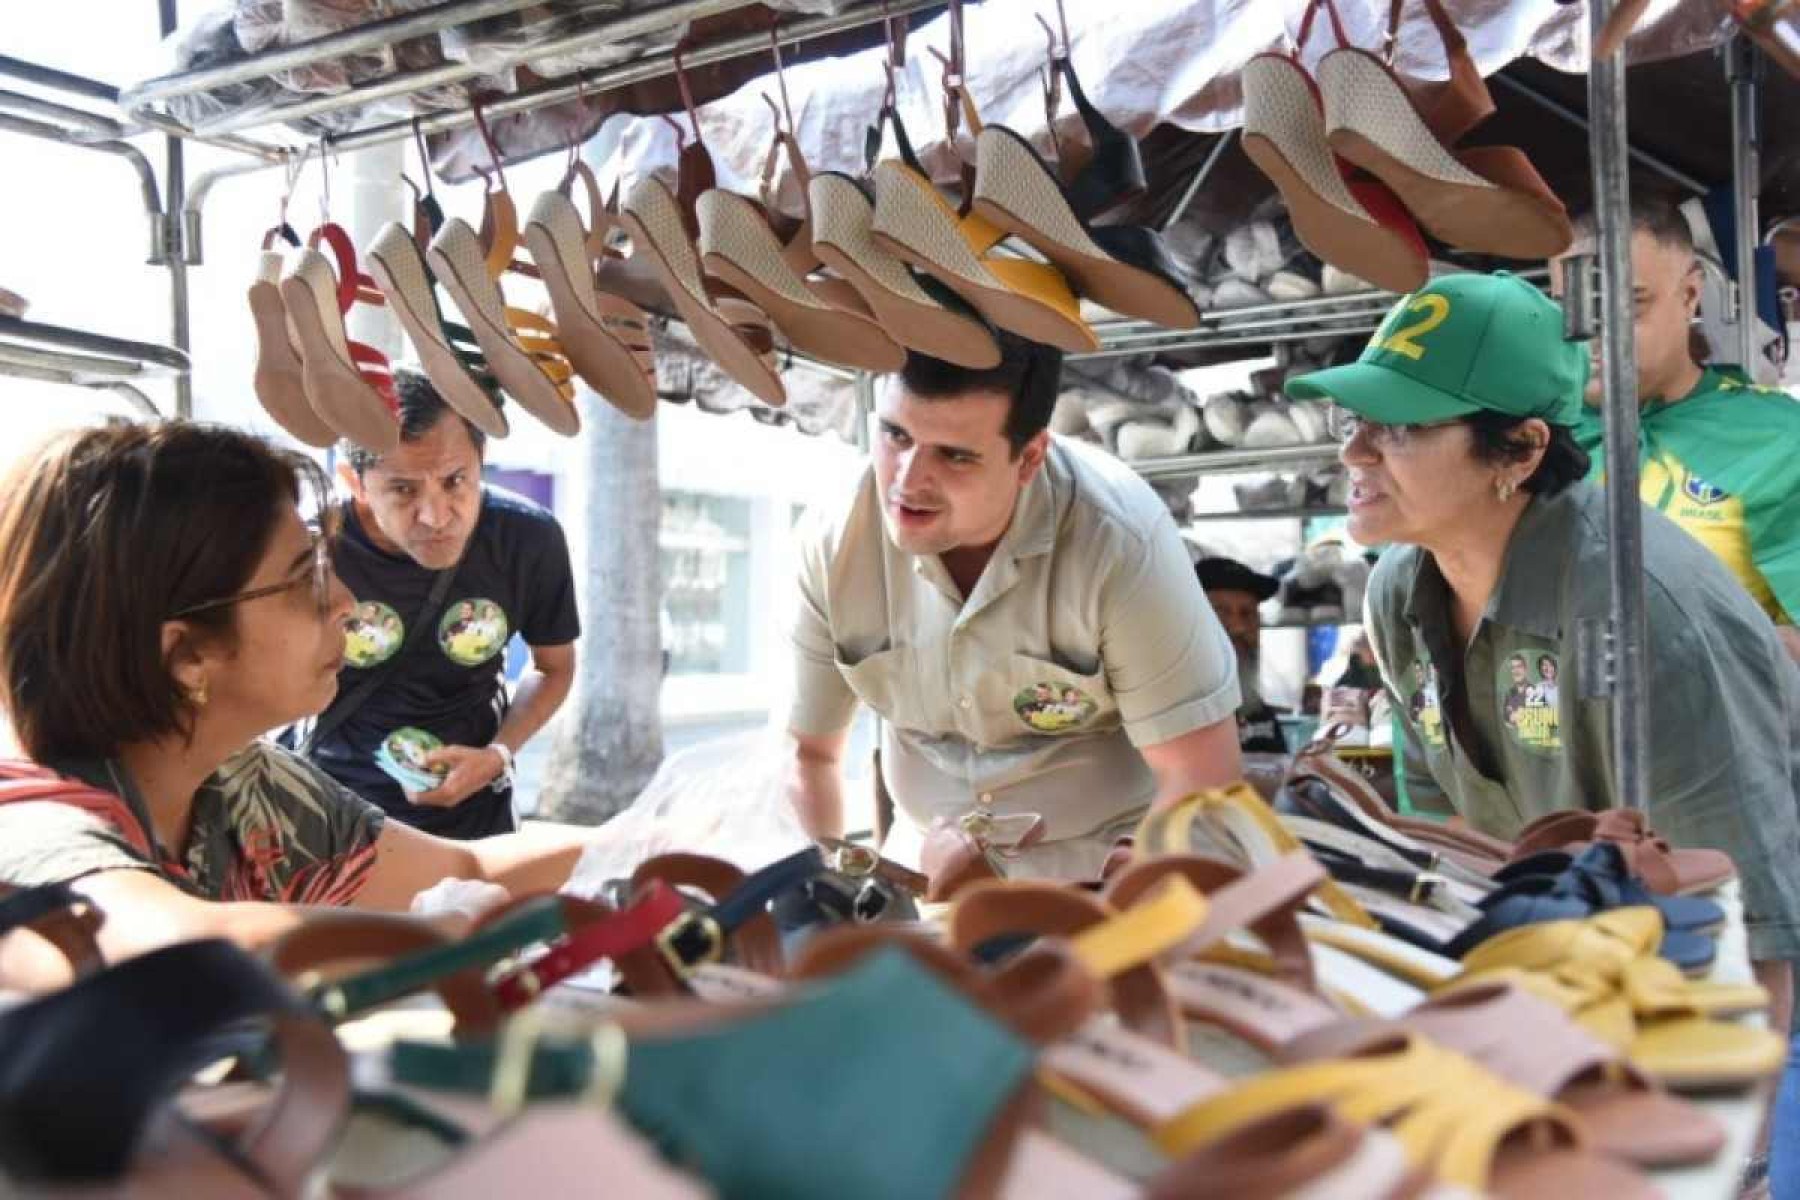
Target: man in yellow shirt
1717,454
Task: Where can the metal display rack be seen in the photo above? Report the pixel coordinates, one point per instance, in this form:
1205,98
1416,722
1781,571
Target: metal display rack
174,214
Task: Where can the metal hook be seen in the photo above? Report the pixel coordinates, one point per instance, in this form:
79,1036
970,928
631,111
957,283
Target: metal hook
324,181
424,158
681,81
787,108
487,137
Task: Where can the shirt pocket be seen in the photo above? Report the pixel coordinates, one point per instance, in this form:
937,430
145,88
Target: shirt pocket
885,681
1031,696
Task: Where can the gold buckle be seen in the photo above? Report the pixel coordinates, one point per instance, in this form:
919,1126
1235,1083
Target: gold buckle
677,942
1425,887
848,858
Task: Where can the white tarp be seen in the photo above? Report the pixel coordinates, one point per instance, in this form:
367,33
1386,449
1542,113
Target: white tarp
1142,62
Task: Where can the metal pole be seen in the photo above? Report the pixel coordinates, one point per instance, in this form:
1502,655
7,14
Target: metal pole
1643,159
653,66
1742,72
1624,523
618,29
865,409
62,81
1213,155
370,36
175,185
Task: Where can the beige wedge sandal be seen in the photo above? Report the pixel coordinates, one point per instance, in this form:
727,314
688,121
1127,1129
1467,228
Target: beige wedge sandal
278,380
606,337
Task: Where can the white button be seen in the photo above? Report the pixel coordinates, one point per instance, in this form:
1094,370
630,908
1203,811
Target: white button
985,798
965,702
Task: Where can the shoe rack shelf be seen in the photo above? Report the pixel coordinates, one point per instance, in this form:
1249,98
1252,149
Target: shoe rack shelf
1271,514
1224,462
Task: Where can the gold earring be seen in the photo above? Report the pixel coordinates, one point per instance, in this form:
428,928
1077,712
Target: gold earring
198,695
1504,489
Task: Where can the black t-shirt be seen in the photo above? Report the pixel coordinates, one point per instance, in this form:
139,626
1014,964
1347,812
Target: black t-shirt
514,577
1259,730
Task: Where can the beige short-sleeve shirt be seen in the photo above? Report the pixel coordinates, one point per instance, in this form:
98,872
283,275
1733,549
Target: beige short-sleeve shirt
1087,636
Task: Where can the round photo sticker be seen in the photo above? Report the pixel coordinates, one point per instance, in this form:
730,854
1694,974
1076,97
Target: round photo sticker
372,635
473,631
403,754
1529,692
1054,708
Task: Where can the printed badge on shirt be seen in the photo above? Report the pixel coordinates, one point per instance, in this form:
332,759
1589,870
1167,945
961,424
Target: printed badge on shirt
372,635
1054,708
1422,703
473,631
1529,690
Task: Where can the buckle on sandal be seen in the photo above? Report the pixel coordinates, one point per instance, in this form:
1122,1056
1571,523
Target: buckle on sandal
689,941
1425,888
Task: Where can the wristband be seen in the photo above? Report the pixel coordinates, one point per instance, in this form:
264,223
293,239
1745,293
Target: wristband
506,770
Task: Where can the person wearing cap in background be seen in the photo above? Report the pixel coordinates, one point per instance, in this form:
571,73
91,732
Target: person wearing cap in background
1455,422
1715,451
1235,591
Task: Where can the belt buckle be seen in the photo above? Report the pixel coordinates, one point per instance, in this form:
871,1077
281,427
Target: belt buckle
870,903
848,858
1425,888
690,940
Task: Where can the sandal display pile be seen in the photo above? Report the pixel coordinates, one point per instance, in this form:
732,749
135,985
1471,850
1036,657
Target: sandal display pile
1314,996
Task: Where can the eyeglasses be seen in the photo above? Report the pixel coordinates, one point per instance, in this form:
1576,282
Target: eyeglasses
1344,425
316,574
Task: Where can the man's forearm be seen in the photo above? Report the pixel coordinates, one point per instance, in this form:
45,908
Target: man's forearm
538,697
816,791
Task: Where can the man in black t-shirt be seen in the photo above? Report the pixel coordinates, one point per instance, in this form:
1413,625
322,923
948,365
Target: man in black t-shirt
414,513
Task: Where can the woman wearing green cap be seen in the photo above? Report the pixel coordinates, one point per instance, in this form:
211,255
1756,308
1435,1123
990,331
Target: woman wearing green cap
1456,422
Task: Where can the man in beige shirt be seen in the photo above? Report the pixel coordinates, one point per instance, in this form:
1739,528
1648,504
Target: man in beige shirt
1021,614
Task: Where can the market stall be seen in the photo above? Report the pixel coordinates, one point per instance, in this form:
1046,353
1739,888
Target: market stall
1575,1010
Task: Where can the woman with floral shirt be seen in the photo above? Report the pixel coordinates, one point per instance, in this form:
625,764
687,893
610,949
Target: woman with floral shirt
162,606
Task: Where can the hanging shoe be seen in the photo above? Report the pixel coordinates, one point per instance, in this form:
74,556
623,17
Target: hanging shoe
521,347
664,223
1357,226
1488,199
738,248
1124,267
606,337
843,226
448,352
348,384
278,380
916,224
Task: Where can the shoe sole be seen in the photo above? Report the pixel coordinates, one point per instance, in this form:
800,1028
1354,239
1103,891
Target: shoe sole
278,378
553,234
915,225
1015,191
738,247
843,241
1371,122
399,271
652,217
457,260
334,386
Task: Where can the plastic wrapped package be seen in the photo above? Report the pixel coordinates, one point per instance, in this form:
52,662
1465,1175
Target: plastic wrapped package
211,40
456,155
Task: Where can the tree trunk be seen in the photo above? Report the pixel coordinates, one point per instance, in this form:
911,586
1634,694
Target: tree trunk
609,736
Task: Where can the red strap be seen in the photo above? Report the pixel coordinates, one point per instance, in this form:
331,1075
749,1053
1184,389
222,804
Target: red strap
342,249
630,929
22,781
1337,24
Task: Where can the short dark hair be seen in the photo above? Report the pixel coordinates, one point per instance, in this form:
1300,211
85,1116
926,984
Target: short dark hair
1655,213
1029,372
105,534
1498,440
421,408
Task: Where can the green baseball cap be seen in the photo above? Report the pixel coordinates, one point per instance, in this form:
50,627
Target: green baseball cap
1461,344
